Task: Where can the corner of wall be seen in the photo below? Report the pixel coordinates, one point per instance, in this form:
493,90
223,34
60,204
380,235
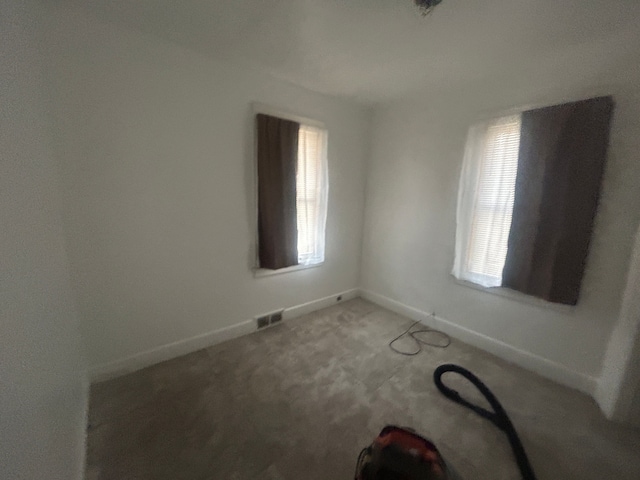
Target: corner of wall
618,380
372,112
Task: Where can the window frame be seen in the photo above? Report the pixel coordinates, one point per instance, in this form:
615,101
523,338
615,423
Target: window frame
261,108
477,205
468,188
318,199
500,291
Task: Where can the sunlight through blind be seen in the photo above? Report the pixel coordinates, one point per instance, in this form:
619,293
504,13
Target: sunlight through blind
311,196
493,205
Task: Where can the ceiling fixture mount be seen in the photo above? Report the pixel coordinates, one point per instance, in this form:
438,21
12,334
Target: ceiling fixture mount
426,6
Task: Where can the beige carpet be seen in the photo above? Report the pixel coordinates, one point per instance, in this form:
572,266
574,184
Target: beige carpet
299,401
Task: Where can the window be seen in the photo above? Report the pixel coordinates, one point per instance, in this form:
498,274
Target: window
311,194
491,164
292,192
528,196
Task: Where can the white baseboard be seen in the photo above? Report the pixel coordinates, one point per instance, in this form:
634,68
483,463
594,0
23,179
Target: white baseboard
314,305
546,368
169,351
542,366
183,347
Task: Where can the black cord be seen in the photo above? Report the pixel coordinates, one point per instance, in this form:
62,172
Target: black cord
498,417
363,453
421,341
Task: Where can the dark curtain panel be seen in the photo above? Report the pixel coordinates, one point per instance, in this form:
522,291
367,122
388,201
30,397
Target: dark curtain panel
277,163
560,165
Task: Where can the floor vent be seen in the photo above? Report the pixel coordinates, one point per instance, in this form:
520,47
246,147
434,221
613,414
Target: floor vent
269,319
262,321
276,317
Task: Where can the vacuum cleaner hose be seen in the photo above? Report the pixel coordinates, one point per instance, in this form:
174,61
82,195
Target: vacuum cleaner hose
498,417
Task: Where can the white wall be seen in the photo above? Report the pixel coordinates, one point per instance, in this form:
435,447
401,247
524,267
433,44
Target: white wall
43,391
618,390
417,152
155,148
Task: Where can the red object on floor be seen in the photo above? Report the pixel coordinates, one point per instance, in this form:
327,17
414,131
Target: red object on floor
400,454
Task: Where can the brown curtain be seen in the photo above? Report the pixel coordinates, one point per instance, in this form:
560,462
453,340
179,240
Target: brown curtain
560,166
277,162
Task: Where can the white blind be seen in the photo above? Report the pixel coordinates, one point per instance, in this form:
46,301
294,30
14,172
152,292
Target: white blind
485,208
311,196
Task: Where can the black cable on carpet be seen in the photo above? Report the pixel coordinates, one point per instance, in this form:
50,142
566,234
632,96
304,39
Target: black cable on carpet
498,417
444,339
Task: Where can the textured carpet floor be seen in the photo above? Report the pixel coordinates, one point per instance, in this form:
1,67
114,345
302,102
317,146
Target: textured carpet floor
299,401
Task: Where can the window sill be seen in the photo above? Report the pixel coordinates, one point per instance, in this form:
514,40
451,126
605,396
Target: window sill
265,272
516,296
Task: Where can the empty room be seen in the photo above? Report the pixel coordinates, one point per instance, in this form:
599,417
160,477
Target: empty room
328,239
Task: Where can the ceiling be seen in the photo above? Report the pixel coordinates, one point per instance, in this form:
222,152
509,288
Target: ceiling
377,50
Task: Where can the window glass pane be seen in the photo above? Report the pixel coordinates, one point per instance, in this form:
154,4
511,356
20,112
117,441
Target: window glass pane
493,205
311,195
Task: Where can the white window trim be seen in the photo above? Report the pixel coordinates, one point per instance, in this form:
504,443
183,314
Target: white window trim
257,108
516,296
265,272
285,115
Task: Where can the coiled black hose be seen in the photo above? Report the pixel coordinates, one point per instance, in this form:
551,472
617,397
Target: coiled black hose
498,417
